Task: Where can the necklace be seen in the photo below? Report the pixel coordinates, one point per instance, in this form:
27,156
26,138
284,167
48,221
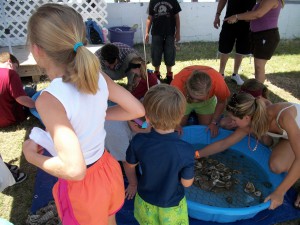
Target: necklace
256,144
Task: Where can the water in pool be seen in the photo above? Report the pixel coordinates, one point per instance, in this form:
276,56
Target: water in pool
242,170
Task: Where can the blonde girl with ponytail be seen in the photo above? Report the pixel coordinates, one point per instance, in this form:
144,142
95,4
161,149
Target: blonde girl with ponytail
281,121
73,108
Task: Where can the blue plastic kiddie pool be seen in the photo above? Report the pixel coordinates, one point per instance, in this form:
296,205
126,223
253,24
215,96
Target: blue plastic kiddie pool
198,136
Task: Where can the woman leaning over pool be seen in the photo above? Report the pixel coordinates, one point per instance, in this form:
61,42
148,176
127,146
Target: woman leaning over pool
279,121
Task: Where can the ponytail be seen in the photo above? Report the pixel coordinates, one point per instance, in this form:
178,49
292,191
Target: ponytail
59,30
244,104
259,122
83,71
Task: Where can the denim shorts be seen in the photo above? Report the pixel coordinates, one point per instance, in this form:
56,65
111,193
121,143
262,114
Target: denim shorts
163,46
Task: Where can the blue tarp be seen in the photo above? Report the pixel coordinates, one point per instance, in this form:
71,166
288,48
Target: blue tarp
283,213
43,194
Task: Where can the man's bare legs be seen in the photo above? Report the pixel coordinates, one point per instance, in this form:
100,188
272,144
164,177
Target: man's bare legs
259,68
223,61
237,63
238,58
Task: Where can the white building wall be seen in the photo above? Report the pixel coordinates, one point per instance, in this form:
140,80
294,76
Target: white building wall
196,20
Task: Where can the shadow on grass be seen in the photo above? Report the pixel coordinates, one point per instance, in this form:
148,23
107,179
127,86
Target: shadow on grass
288,47
234,88
22,193
287,81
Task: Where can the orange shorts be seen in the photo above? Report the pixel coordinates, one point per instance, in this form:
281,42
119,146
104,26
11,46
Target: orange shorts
92,200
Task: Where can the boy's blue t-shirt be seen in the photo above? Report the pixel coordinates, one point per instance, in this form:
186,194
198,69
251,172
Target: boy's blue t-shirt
164,160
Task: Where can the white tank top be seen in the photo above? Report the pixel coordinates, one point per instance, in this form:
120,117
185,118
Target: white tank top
284,133
86,113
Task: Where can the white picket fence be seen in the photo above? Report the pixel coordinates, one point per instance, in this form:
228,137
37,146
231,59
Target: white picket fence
15,15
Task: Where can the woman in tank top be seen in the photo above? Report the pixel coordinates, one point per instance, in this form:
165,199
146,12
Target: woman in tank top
264,32
253,117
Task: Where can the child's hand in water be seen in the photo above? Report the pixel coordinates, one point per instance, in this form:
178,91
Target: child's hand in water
130,191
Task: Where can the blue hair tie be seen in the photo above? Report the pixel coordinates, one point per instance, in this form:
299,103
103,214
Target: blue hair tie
77,45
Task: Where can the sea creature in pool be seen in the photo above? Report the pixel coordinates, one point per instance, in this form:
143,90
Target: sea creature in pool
198,164
249,188
211,175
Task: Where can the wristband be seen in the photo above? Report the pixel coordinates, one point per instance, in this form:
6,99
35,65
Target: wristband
197,154
218,13
236,16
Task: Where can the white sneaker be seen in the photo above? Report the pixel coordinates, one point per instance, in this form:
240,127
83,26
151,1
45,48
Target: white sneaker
239,81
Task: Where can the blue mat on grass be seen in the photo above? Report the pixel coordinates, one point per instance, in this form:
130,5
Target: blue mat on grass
43,194
44,183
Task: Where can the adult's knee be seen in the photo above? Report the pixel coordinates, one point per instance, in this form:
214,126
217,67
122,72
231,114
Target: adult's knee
277,166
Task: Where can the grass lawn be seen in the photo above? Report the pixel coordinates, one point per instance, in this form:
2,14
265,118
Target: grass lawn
283,81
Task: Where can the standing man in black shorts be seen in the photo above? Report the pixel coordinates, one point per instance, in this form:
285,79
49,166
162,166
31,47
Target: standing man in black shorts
233,34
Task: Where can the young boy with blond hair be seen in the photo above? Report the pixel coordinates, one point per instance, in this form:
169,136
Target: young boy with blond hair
166,161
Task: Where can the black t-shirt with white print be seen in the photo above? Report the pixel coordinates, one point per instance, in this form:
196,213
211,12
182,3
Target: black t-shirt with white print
163,16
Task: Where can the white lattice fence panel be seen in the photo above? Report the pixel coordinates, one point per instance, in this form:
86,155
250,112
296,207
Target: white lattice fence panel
15,15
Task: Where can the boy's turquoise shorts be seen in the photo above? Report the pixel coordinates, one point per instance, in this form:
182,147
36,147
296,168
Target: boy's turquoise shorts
203,108
146,213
